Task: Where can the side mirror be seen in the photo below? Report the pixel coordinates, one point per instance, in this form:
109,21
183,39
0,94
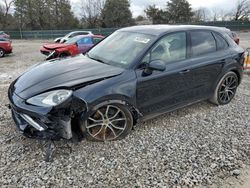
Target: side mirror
158,65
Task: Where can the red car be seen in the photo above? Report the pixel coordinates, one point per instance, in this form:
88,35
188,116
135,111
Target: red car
4,35
5,47
74,46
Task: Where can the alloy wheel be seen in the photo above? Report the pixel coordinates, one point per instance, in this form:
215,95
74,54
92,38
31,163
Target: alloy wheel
107,123
228,88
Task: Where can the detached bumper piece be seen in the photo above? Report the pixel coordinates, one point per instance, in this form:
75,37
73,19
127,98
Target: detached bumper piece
34,127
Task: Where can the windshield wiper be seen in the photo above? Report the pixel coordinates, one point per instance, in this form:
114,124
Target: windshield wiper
96,59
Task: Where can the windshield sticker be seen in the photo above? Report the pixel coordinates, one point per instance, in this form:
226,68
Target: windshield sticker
141,40
124,62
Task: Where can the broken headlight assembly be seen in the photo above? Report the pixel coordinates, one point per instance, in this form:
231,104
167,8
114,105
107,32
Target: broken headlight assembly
51,98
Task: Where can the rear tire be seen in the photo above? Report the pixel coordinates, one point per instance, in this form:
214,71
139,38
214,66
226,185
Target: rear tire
2,52
225,89
107,123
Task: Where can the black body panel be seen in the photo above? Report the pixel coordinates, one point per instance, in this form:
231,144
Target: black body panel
92,82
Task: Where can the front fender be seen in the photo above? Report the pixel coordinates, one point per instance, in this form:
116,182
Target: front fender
118,89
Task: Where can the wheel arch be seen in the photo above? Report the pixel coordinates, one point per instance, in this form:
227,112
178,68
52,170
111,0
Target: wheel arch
235,69
2,49
237,73
115,99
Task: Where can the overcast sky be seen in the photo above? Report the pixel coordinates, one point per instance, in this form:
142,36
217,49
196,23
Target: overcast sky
137,6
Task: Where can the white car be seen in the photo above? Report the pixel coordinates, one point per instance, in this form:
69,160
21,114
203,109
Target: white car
70,35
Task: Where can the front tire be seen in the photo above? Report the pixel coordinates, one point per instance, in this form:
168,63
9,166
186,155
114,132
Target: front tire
225,89
2,52
107,123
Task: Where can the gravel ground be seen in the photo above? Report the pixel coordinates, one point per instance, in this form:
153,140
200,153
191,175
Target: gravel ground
201,145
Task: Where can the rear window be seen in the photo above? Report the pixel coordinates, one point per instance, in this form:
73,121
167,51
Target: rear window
220,42
202,42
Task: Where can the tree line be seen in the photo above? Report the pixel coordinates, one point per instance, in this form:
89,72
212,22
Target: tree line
58,14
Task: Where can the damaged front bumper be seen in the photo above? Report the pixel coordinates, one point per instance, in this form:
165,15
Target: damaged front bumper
45,122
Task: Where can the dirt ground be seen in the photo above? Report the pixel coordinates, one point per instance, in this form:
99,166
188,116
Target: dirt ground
26,53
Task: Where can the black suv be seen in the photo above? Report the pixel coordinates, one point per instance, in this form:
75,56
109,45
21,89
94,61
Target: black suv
135,73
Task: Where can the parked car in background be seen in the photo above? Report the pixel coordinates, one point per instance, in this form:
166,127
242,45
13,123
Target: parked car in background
71,35
134,74
74,46
4,35
5,47
232,34
235,37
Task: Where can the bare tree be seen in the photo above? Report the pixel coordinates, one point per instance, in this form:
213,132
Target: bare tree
242,10
220,15
5,6
91,11
201,14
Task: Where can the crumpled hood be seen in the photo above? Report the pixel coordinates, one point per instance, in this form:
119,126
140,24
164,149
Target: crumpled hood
54,46
62,73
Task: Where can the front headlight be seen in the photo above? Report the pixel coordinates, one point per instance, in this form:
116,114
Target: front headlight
51,98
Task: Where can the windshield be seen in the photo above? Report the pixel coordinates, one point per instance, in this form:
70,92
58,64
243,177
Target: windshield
120,48
72,40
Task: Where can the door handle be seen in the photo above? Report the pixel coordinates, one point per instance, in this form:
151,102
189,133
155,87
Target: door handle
184,71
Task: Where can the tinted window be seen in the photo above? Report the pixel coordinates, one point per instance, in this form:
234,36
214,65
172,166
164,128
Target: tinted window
86,40
83,33
96,40
220,41
169,48
202,43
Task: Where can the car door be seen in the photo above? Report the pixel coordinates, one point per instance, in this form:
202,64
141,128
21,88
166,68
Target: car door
84,44
165,90
207,61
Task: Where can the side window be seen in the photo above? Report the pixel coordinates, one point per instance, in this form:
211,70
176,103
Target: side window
96,40
202,42
220,41
170,48
72,35
85,40
88,40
